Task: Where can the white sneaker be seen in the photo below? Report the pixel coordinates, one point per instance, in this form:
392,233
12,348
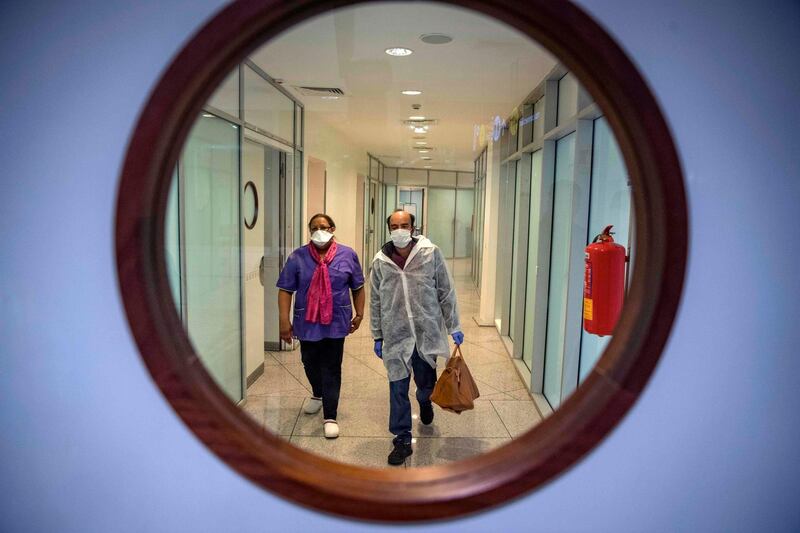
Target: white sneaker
312,406
331,429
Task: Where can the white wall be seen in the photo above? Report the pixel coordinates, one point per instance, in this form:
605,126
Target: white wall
344,160
89,444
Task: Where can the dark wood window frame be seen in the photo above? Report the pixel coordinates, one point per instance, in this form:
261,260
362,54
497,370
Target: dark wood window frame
468,486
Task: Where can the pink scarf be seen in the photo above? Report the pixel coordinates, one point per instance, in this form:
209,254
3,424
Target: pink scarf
319,305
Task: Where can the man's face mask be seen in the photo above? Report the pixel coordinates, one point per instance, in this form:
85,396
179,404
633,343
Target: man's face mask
401,237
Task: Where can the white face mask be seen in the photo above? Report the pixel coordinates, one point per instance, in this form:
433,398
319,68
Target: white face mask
401,237
321,237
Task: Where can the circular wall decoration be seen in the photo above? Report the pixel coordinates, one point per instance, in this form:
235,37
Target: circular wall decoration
250,205
547,450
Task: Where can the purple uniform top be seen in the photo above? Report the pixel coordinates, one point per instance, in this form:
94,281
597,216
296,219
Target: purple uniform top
345,274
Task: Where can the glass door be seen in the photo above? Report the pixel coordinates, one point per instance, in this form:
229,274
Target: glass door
532,267
211,270
273,240
441,219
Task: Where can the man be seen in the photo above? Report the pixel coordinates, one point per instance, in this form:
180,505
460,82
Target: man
412,308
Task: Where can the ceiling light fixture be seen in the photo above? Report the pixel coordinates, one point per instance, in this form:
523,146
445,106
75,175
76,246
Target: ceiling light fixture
424,151
421,130
330,97
412,92
399,51
435,38
416,117
421,142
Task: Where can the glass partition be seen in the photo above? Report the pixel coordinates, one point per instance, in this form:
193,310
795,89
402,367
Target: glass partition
226,97
411,176
538,119
559,268
465,202
567,97
268,108
210,163
610,205
442,178
441,213
534,232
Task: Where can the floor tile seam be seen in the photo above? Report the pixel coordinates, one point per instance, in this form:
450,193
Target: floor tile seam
296,418
501,419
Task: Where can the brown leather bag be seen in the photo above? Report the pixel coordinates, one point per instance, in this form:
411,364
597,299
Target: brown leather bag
455,390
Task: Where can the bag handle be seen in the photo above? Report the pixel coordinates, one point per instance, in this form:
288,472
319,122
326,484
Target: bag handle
457,348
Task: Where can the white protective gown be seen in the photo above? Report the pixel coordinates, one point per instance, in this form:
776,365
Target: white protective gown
412,306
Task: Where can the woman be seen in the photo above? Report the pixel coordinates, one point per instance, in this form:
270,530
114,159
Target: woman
321,274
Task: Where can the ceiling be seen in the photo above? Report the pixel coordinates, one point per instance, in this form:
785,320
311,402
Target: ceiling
487,70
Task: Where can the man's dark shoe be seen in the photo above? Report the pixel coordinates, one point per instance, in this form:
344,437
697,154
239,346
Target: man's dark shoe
426,413
399,454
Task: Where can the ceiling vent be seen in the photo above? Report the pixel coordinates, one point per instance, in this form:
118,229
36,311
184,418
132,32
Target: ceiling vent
320,91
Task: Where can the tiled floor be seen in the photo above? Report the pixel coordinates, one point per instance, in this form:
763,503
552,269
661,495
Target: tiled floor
503,411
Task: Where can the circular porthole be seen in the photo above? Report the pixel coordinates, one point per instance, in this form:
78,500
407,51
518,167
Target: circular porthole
250,205
467,486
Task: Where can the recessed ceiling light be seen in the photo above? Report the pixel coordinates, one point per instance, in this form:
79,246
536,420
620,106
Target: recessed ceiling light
412,92
435,38
399,52
421,142
424,151
416,117
330,97
421,130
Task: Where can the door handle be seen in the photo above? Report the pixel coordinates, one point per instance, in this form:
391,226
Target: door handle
261,271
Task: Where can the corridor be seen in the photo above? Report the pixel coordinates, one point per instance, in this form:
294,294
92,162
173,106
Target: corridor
503,411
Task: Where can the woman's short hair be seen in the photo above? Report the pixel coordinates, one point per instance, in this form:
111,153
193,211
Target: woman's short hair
331,223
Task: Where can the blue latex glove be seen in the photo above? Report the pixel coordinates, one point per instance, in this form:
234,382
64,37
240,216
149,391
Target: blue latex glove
379,349
458,337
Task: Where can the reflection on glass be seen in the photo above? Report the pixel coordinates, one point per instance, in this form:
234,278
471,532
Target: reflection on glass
510,206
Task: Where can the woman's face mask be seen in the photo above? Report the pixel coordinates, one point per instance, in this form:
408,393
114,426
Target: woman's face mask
401,237
321,237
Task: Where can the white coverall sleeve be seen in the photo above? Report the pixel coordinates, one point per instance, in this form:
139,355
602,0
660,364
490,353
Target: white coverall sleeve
375,301
446,294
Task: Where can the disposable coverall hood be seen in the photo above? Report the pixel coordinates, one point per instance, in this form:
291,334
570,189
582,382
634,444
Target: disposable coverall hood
412,306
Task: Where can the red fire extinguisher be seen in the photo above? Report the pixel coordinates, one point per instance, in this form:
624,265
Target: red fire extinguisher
603,284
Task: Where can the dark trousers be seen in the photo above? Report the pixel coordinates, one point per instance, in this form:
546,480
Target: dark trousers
322,361
399,404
